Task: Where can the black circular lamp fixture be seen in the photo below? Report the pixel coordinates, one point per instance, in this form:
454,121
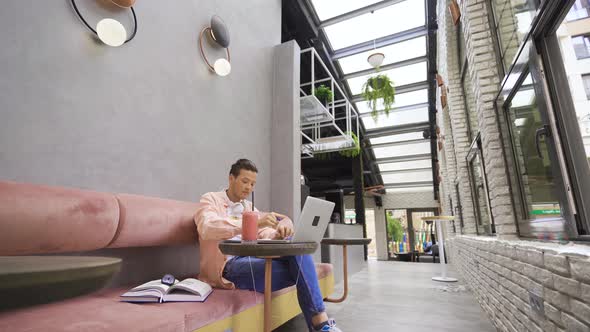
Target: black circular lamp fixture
219,33
110,31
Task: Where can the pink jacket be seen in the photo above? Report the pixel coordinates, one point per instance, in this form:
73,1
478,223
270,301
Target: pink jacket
215,225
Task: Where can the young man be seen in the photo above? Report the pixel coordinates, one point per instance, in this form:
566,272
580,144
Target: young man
219,217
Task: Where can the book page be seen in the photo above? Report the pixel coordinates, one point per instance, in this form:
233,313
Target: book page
191,285
154,284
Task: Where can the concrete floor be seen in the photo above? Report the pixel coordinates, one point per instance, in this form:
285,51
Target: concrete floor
400,296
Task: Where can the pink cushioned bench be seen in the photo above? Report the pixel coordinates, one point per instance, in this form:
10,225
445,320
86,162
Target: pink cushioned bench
40,220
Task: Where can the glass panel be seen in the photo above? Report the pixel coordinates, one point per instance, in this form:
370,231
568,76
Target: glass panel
383,22
513,20
327,9
409,49
396,138
408,189
578,77
580,9
484,224
401,100
537,181
397,151
405,165
581,46
470,107
419,176
399,76
396,118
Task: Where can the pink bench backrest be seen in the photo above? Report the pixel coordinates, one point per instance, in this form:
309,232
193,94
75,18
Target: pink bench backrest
37,219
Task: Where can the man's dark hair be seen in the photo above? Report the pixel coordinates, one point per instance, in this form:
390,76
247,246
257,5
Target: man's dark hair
240,165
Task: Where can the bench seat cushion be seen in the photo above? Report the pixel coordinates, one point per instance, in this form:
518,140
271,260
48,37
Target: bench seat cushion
102,311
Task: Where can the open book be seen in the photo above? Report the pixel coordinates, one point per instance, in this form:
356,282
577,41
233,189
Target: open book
188,290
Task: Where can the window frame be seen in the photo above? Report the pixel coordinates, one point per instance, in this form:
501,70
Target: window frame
475,150
586,86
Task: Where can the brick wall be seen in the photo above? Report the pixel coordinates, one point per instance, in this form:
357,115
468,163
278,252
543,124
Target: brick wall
504,273
501,270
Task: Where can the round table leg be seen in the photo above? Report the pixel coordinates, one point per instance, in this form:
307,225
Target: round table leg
267,294
345,273
441,256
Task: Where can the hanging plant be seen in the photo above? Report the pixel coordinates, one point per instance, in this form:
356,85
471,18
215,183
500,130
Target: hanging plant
379,87
353,151
324,94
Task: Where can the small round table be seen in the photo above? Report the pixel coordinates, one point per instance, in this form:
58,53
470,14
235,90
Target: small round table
268,251
441,250
344,243
29,280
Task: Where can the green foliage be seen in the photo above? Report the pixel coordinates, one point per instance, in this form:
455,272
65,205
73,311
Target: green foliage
377,87
353,151
395,230
324,94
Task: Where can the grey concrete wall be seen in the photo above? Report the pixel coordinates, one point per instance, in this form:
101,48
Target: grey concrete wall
285,135
146,118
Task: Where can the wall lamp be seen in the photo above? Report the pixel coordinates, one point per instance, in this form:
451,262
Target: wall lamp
219,33
108,30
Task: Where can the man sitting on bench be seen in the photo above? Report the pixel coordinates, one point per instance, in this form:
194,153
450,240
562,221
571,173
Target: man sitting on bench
219,217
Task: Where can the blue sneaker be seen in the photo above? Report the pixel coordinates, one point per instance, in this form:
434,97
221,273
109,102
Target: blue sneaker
329,326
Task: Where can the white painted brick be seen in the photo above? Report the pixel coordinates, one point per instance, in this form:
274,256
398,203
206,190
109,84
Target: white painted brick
557,264
580,269
572,324
568,286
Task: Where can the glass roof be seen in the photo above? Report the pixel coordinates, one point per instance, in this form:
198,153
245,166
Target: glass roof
405,165
401,150
399,76
326,8
401,100
396,138
396,118
383,22
408,49
408,189
356,33
419,176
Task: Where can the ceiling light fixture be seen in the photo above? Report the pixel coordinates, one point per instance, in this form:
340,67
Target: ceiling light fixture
108,30
219,33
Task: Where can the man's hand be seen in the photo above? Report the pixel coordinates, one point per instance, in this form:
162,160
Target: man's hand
284,231
268,220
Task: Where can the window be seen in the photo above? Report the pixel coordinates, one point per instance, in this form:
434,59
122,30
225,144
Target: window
580,10
512,20
479,190
586,79
470,107
581,46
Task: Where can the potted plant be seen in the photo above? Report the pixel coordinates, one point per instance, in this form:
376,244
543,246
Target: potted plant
394,229
324,94
353,151
379,87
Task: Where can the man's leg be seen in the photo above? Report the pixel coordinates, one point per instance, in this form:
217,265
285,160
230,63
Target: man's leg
248,273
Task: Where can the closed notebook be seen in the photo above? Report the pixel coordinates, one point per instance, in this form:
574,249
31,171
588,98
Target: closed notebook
188,290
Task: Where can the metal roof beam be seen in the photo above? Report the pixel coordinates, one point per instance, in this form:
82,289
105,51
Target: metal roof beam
408,142
396,110
408,185
400,89
399,64
398,159
394,130
395,38
358,12
405,171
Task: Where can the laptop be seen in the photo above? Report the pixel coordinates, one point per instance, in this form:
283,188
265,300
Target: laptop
312,222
